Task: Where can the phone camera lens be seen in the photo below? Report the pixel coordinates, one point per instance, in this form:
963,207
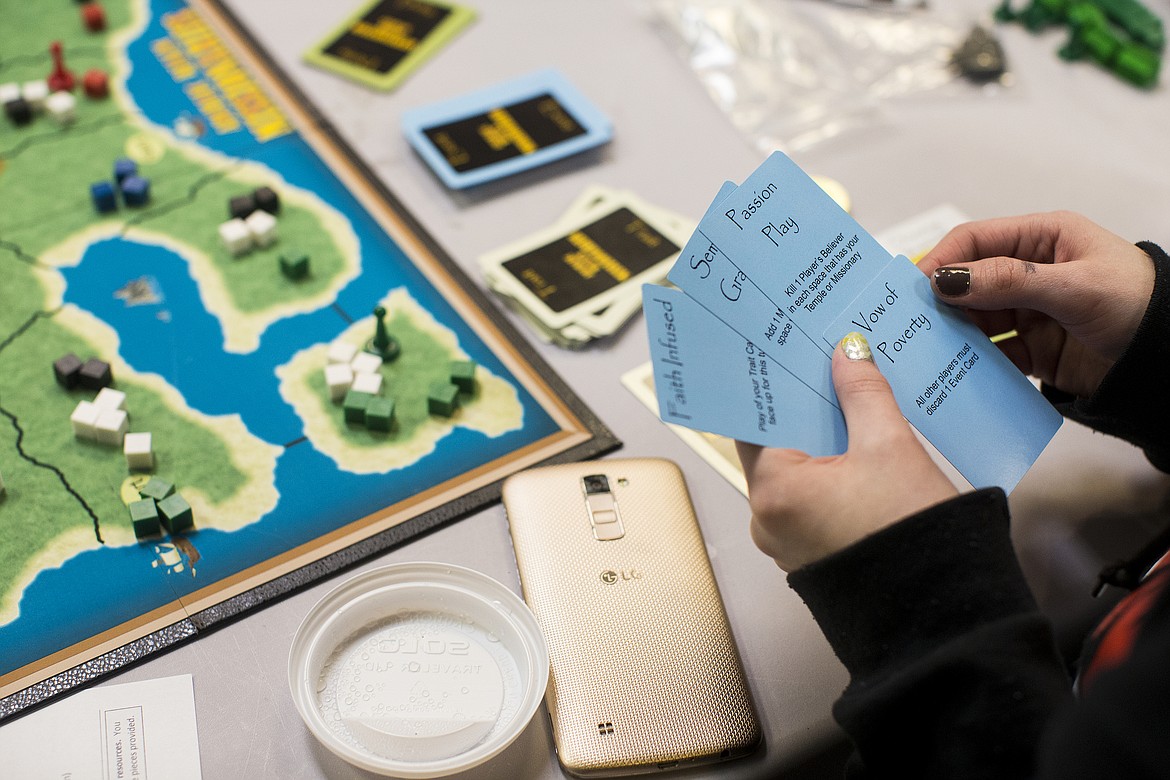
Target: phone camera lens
596,483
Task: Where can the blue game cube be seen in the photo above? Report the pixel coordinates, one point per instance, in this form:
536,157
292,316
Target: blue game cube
123,168
105,199
135,190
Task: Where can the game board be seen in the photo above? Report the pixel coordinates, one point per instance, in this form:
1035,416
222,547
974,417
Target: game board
221,358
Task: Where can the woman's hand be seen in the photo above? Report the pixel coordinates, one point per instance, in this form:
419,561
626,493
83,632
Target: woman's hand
805,508
1073,292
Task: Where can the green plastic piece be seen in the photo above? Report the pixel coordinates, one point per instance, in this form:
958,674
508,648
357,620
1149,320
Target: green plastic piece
144,516
382,344
380,414
176,514
463,375
443,399
355,405
294,268
156,489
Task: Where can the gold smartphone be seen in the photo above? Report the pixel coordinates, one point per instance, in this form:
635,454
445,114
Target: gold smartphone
645,672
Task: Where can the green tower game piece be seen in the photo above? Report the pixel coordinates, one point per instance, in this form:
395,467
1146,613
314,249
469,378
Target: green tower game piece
443,399
144,516
382,344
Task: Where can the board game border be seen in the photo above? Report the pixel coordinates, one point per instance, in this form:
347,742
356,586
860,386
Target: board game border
189,617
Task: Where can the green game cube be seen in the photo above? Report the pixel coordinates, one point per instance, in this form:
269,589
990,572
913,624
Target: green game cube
295,267
443,399
156,488
355,405
144,516
380,414
463,375
176,514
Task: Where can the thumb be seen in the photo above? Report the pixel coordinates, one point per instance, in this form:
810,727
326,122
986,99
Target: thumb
871,413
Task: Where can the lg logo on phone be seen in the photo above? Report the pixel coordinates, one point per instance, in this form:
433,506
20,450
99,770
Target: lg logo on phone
609,576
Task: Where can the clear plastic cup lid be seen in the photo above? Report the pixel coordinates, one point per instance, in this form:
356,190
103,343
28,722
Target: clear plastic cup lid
418,670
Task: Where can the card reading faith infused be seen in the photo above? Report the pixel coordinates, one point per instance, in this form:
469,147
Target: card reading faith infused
950,381
710,378
505,129
384,41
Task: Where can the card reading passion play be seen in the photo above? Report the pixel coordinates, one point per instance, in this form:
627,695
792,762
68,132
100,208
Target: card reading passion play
709,378
505,129
950,381
575,269
386,40
708,276
801,249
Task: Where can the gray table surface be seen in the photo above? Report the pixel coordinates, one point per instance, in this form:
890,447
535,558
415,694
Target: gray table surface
1063,137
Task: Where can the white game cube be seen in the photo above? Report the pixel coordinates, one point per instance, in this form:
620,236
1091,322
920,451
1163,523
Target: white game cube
338,378
365,363
367,383
84,420
262,226
138,451
9,92
109,398
341,352
236,237
61,107
36,93
111,426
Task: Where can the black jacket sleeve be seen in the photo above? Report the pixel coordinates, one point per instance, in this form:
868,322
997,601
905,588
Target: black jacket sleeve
1130,403
953,670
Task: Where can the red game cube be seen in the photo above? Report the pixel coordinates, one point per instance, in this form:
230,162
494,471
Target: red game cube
96,84
93,16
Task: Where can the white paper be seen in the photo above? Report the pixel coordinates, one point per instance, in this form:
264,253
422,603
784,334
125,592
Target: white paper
134,731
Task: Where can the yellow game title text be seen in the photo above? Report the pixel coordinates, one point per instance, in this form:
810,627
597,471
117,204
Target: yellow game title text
390,32
590,258
224,77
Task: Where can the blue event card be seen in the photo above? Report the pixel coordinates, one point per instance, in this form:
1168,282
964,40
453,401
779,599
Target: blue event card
710,378
708,276
804,252
950,381
505,129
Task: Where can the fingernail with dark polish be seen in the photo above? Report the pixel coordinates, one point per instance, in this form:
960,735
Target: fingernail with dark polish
953,282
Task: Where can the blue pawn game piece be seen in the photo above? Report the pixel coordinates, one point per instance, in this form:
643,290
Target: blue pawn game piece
124,167
135,190
105,199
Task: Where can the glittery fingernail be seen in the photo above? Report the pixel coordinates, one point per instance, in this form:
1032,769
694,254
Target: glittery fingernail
953,282
856,347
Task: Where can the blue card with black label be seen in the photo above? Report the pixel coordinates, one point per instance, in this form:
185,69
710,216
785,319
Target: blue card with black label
505,129
710,378
951,383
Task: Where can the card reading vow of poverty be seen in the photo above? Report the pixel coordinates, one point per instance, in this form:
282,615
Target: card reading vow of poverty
505,129
951,383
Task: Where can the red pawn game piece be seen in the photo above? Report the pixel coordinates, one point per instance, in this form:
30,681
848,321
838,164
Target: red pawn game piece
61,79
96,84
93,17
